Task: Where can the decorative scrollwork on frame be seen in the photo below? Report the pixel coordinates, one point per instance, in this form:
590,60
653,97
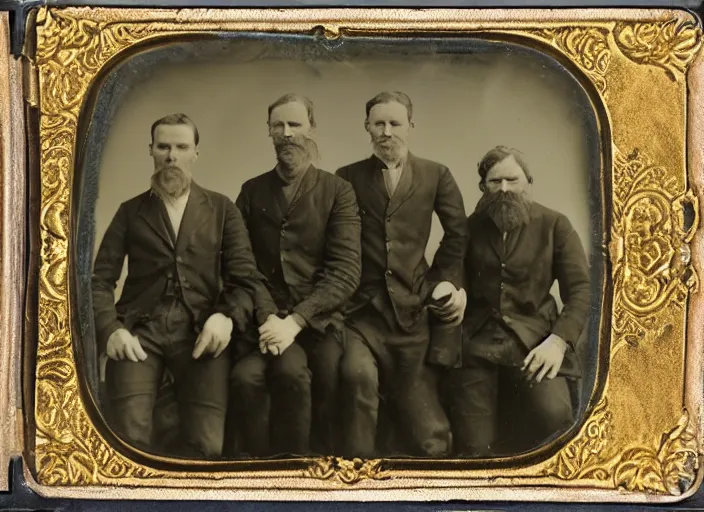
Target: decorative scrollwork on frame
583,456
650,251
70,52
588,47
347,471
670,45
668,468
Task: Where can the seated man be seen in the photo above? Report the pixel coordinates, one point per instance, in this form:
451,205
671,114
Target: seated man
191,272
388,327
513,336
305,232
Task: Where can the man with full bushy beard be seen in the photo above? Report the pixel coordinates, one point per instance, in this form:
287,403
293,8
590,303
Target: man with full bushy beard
191,275
515,341
388,326
305,230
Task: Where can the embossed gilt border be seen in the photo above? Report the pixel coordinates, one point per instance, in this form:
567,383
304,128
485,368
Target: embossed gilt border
641,440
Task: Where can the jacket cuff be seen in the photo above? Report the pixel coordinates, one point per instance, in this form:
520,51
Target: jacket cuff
304,312
564,336
263,313
302,322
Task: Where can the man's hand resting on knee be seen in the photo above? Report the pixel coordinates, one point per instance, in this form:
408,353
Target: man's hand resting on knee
122,345
215,336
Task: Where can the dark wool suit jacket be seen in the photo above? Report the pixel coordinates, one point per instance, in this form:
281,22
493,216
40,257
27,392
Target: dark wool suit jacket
510,281
396,277
309,252
211,261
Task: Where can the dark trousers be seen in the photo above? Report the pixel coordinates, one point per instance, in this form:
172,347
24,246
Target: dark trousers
168,338
286,404
381,361
481,394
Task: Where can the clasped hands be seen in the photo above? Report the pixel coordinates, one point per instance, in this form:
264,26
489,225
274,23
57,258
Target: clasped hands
451,312
277,334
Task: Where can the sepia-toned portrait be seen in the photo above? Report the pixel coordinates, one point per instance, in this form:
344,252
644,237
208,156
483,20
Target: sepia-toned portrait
371,251
319,254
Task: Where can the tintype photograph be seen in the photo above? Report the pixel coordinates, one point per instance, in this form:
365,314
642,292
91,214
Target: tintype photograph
365,250
362,254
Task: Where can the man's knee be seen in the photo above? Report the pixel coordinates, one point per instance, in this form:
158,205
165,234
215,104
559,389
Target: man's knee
291,369
248,373
554,407
360,376
132,419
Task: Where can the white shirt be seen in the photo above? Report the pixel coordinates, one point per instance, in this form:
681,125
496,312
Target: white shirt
392,173
175,209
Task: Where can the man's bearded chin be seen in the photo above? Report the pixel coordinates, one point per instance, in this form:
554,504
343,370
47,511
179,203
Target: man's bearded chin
389,149
508,210
295,154
171,182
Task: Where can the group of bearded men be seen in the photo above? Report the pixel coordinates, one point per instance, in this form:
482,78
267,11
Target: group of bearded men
303,317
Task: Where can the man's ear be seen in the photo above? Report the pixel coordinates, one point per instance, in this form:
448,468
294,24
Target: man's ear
151,150
412,124
482,186
366,124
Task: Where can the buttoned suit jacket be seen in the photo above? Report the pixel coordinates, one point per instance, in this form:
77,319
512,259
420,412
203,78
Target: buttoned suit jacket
210,261
510,281
309,251
396,277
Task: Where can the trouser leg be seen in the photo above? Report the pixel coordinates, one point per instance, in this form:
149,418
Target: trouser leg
359,397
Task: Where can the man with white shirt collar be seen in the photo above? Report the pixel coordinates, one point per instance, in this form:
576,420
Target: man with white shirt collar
191,274
388,326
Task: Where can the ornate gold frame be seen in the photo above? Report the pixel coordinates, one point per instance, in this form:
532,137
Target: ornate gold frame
640,442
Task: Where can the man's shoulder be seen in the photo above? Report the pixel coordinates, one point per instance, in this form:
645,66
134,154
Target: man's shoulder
257,180
136,201
328,179
426,164
544,213
212,195
350,169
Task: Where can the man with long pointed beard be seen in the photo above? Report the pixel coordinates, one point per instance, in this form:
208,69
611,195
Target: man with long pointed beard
305,230
514,339
191,274
388,328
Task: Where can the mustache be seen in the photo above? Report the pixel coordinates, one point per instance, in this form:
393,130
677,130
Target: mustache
299,147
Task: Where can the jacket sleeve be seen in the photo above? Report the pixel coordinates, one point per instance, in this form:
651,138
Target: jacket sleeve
241,279
571,270
449,258
343,264
106,272
256,299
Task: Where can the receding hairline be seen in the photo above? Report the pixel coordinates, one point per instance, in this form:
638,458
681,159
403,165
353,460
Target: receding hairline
388,102
297,101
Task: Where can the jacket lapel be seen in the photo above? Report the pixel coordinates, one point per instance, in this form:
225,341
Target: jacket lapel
195,215
154,214
306,185
406,186
376,179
